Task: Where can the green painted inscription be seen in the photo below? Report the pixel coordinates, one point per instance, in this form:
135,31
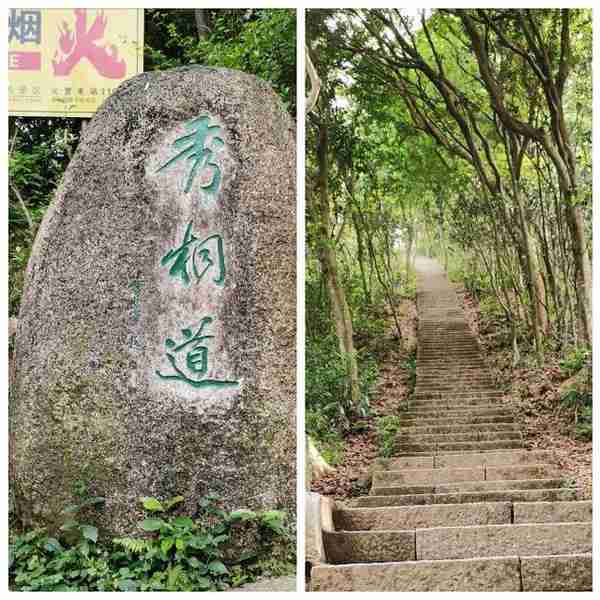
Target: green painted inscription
192,146
206,254
193,352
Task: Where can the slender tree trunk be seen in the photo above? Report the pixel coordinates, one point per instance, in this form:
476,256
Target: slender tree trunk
583,271
327,258
201,18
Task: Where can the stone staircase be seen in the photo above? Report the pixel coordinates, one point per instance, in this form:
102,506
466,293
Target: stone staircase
462,506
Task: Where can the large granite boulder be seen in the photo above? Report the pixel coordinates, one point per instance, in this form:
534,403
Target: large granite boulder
155,352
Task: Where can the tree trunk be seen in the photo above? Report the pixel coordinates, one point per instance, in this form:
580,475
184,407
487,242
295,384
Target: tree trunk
201,18
583,272
337,298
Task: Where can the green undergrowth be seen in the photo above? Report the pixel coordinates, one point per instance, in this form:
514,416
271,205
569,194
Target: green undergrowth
387,430
211,550
329,411
574,362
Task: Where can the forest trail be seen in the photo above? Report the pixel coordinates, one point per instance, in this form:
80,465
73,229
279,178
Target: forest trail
462,506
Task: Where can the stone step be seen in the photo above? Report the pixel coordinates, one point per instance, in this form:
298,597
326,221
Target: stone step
369,546
479,446
553,512
463,436
572,572
411,449
413,517
473,459
444,381
466,417
504,457
398,489
453,404
461,514
480,541
459,409
508,495
451,401
460,474
459,428
431,395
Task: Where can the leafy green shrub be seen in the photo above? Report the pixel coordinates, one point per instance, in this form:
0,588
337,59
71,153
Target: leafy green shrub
581,405
328,400
411,367
387,430
575,360
211,550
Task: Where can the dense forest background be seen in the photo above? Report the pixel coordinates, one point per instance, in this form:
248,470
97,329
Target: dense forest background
257,41
462,135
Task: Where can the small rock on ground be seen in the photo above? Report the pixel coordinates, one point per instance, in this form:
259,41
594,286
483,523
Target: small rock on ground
269,584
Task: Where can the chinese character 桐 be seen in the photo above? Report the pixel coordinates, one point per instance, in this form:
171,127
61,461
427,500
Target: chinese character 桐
202,254
189,359
194,149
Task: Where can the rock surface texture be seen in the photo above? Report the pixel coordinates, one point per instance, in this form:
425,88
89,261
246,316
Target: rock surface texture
462,506
155,352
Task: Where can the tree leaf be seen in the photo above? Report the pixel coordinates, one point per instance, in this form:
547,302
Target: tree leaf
217,567
152,524
152,505
166,544
90,532
185,522
127,585
173,501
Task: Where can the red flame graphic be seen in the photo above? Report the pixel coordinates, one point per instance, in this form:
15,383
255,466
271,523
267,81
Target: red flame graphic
74,47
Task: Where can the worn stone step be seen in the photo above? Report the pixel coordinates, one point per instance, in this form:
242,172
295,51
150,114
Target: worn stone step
504,457
465,486
497,410
499,484
456,403
508,495
502,540
410,449
369,546
474,417
565,573
528,471
479,446
412,517
487,574
459,428
457,395
553,512
445,381
427,476
463,436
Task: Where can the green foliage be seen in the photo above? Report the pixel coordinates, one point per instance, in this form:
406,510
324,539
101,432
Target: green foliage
387,431
411,367
580,404
575,360
260,41
210,550
328,402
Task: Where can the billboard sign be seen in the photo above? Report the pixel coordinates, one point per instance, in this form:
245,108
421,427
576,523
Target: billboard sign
65,62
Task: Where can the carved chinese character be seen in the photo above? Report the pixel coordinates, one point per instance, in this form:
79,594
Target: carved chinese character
189,359
199,151
206,255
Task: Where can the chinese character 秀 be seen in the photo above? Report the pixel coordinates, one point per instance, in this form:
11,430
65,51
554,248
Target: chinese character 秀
198,147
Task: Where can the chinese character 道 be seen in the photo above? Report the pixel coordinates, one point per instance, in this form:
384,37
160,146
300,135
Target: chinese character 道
192,351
